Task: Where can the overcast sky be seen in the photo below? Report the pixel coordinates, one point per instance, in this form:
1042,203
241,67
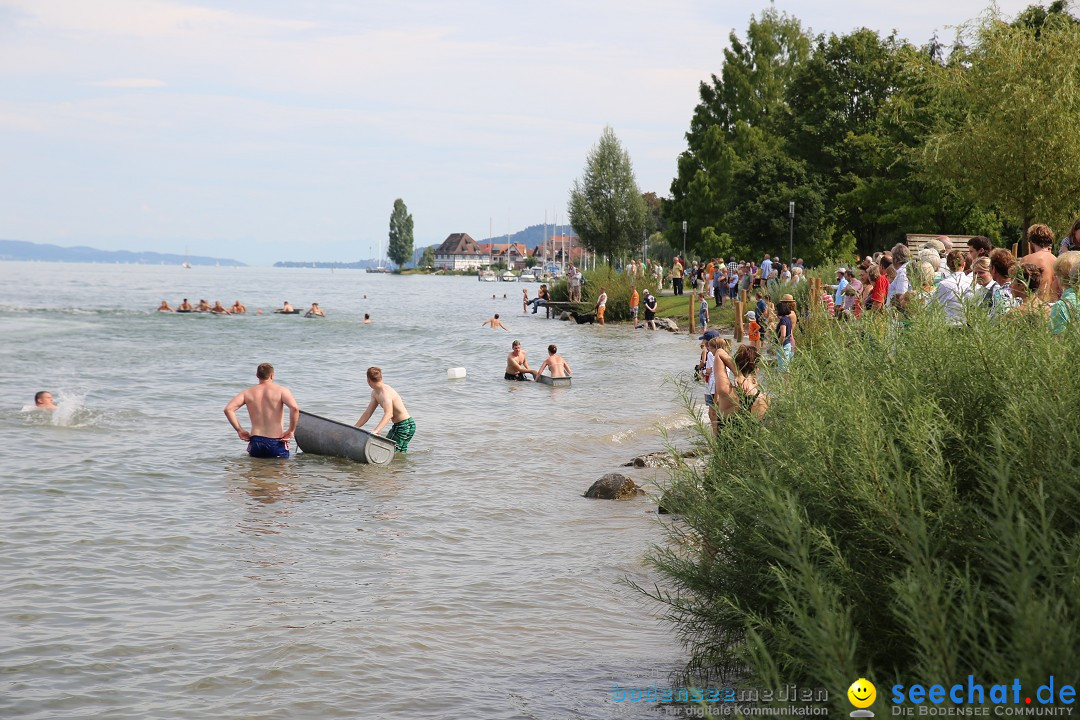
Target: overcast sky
268,130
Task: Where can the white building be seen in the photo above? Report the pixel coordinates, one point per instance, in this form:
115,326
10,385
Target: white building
460,252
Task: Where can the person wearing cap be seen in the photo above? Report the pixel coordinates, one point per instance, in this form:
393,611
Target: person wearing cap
703,360
753,329
839,287
650,309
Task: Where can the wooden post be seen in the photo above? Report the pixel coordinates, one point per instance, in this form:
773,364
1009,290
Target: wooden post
692,314
1016,249
739,306
742,296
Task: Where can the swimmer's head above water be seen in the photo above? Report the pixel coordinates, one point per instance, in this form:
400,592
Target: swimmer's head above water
43,400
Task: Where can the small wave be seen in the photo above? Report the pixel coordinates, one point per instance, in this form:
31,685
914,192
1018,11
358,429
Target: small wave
71,411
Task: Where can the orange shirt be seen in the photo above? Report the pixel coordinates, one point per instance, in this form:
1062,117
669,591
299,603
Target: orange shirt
634,299
754,332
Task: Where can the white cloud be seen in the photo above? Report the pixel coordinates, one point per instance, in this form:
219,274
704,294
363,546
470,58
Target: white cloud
129,83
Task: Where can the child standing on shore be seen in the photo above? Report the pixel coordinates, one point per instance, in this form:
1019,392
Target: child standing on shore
703,311
753,329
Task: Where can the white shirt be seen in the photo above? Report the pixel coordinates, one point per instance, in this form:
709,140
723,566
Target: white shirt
602,300
899,285
952,293
710,360
766,268
838,296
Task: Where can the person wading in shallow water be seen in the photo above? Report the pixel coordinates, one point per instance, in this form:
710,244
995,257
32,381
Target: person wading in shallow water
555,364
266,408
517,367
386,397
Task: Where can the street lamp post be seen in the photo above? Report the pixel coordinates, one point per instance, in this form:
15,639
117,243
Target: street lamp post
644,245
791,234
684,241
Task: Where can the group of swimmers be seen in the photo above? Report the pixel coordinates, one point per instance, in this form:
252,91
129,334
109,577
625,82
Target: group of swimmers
266,403
238,308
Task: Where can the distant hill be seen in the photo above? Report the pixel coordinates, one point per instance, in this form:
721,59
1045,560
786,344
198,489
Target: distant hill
20,250
531,236
358,265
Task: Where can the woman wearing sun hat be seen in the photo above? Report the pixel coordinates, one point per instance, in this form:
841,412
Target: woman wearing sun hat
785,328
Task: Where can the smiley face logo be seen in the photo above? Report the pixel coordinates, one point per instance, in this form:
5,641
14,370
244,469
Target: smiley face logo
862,693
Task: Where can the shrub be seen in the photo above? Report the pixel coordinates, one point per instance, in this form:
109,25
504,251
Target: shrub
907,511
618,290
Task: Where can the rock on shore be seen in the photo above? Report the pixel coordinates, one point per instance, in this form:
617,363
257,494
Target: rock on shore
614,486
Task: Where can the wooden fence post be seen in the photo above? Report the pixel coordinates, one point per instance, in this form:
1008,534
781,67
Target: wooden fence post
692,314
739,320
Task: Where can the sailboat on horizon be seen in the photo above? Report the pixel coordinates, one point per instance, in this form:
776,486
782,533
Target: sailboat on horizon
186,265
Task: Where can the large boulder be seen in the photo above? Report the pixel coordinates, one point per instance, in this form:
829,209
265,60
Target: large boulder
614,486
667,324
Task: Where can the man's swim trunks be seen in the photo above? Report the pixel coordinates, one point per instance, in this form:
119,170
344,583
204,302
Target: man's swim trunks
519,376
401,433
264,447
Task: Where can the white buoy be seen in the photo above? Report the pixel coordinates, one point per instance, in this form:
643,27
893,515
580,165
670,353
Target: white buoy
455,373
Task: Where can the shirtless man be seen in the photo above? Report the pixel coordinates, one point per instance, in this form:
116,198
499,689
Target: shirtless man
164,307
517,367
43,400
367,319
203,306
266,408
555,363
386,397
185,306
218,308
286,308
238,308
315,311
1040,241
494,322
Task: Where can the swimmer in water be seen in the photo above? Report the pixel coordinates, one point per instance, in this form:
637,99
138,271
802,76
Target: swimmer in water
164,307
218,308
286,308
367,319
315,311
185,306
43,400
203,306
238,308
494,322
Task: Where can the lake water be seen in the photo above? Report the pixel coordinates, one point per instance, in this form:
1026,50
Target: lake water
152,569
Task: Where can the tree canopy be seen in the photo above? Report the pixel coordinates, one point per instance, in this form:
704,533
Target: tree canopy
873,137
606,207
400,248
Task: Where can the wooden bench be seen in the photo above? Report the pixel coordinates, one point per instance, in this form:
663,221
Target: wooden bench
555,309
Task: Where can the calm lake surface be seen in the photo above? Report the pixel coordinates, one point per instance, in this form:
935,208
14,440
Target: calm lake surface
152,569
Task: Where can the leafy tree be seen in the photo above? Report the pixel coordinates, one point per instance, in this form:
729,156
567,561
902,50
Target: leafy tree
755,75
606,207
427,258
400,248
749,90
1012,141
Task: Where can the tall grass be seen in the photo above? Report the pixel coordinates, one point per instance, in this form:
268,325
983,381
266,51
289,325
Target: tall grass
907,511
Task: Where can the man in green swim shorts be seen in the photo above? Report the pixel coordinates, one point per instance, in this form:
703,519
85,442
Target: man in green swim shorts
384,396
